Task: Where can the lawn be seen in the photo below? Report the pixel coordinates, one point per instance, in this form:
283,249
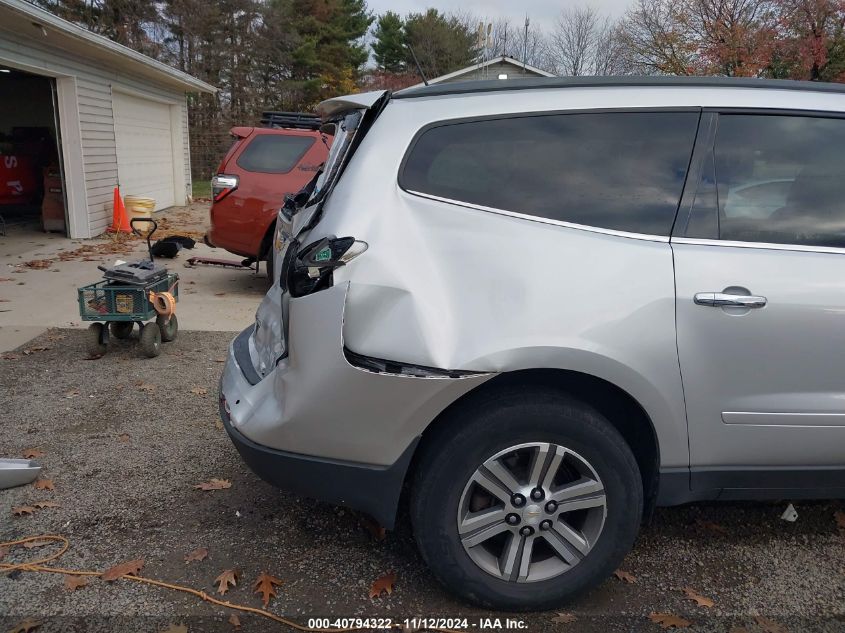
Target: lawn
201,188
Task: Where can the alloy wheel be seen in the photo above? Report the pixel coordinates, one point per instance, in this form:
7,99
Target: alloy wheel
531,512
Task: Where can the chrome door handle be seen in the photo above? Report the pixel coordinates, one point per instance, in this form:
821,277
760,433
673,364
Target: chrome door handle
722,300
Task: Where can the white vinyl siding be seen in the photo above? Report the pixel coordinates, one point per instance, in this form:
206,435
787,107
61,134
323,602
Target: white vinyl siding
96,83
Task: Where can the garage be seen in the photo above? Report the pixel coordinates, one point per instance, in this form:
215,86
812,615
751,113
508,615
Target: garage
30,173
143,138
81,115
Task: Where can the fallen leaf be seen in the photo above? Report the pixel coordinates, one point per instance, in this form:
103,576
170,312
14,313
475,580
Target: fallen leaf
26,626
199,391
214,484
31,350
130,568
46,504
38,543
235,621
176,628
38,263
9,356
72,393
372,526
669,621
6,279
201,553
712,527
44,484
227,577
769,626
145,386
4,551
33,453
19,511
123,437
72,583
700,600
383,583
265,585
219,294
564,618
218,425
624,576
839,516
219,360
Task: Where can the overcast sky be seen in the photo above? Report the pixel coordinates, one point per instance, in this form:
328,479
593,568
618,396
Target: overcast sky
539,11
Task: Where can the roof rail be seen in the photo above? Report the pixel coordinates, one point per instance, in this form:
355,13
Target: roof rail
297,120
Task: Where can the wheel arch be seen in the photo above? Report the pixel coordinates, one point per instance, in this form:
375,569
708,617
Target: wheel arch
267,240
620,408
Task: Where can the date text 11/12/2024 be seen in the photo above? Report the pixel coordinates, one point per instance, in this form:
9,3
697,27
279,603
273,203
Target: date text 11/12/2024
420,623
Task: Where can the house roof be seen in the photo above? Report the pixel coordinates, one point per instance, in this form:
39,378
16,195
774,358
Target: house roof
503,59
36,23
493,85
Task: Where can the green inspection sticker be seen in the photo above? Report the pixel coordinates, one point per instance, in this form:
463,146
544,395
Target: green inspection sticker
323,255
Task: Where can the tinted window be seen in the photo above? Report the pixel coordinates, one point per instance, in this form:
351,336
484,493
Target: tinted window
274,153
621,171
778,179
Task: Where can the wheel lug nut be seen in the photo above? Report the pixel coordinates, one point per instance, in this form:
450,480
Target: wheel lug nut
512,519
537,494
527,531
546,524
518,500
551,506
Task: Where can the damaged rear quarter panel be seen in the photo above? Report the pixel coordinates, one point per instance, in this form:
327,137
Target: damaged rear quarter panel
452,287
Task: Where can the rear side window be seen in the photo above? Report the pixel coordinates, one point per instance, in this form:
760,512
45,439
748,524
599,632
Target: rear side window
622,170
774,178
274,153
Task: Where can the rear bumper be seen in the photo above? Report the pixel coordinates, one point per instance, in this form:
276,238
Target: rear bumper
371,489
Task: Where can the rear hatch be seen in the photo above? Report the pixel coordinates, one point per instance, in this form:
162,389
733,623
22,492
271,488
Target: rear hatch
352,117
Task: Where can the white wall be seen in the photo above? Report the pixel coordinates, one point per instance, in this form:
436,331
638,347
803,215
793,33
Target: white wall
95,146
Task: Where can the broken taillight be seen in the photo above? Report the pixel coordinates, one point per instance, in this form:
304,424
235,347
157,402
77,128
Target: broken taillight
311,269
222,185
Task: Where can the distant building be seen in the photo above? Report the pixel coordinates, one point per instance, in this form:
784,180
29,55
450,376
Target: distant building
503,67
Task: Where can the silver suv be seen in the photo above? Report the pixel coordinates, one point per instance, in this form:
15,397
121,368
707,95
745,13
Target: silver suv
539,308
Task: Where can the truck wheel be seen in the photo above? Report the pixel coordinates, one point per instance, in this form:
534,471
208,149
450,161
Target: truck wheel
121,329
525,499
95,344
150,340
169,327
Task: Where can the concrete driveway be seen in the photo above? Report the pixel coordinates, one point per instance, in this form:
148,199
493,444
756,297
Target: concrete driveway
40,272
125,440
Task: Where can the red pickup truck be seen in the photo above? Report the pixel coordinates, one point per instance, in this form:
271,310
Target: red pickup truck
263,165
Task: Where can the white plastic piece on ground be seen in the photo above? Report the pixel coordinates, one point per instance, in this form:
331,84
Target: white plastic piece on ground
790,514
17,472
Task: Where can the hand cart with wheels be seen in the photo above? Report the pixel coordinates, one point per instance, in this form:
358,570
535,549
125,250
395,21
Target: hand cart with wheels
131,293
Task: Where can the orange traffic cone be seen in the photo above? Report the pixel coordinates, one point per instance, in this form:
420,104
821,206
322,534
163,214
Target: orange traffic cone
120,221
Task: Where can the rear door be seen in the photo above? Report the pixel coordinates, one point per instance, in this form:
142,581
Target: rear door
760,276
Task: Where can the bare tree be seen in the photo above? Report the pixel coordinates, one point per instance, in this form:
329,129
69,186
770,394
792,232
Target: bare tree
583,42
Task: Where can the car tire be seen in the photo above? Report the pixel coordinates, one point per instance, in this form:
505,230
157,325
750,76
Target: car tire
150,340
269,268
457,456
169,327
121,329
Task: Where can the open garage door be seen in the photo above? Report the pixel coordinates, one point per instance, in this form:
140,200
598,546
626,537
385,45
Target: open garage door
144,141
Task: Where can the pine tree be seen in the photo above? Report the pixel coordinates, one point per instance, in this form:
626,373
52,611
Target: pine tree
389,47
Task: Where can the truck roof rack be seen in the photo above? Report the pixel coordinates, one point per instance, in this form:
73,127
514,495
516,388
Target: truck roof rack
296,120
